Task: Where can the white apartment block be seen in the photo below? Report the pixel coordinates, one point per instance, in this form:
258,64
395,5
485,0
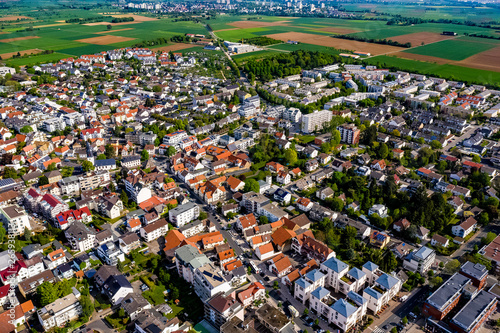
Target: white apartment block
60,312
183,214
15,219
209,281
315,121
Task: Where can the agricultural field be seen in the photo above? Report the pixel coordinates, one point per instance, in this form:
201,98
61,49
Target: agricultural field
451,71
455,49
73,39
464,13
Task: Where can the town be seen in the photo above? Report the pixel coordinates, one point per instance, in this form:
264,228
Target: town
150,191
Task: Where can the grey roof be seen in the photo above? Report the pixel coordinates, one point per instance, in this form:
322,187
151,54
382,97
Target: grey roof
335,265
448,290
115,282
477,271
370,266
182,208
356,273
320,292
106,162
133,303
343,307
474,310
190,255
423,253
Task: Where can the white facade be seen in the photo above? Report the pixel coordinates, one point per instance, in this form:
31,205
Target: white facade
314,121
60,312
183,214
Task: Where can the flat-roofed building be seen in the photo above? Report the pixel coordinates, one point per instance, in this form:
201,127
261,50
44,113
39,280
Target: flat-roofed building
446,297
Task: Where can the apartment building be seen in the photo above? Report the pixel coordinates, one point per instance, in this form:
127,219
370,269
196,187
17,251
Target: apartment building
420,260
209,281
70,186
188,258
60,312
93,180
183,214
349,134
446,297
80,237
154,230
315,121
254,201
15,219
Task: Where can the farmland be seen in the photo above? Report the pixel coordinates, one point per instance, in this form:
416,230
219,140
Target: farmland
455,49
449,71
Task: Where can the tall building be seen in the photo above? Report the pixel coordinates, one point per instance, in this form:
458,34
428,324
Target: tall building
349,134
315,121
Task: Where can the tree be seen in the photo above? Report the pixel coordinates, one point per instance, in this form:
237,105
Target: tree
124,198
383,151
26,129
489,238
67,171
263,219
47,293
109,26
203,216
251,185
112,187
291,156
52,167
43,181
171,151
27,234
87,306
87,166
476,158
316,322
436,281
306,311
394,330
109,151
101,157
9,172
335,137
452,266
404,320
435,144
144,155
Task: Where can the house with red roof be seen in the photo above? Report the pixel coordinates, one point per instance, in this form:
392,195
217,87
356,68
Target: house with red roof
66,218
254,292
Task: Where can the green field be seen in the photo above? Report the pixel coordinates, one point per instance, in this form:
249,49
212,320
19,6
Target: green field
253,55
42,58
302,46
455,49
452,72
464,13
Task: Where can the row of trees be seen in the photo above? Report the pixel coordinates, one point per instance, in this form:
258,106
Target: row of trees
285,64
373,40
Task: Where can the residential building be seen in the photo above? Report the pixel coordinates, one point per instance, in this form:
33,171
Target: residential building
183,214
315,121
420,260
60,312
15,219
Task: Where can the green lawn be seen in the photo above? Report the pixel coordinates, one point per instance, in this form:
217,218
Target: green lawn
455,49
155,295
